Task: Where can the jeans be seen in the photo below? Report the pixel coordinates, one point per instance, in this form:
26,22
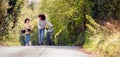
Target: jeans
41,36
27,39
48,38
49,33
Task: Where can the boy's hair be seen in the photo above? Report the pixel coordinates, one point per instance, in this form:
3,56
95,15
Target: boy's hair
26,19
42,16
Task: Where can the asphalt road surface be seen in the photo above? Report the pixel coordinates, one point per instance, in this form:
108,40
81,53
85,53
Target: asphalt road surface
42,51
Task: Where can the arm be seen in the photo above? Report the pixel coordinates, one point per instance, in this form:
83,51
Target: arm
49,24
31,27
24,27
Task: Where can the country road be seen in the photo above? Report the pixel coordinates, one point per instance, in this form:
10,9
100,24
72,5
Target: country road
42,51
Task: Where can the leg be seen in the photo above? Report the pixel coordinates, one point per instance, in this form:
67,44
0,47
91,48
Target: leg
39,36
48,38
27,39
29,43
42,36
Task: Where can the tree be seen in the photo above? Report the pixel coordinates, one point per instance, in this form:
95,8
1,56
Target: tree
14,10
10,10
3,17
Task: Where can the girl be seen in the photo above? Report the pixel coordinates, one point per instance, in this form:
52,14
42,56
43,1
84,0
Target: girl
28,29
41,28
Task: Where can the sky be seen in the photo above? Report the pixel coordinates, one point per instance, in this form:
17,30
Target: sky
33,0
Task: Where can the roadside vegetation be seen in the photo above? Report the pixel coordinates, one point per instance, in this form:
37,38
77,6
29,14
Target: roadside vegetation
94,24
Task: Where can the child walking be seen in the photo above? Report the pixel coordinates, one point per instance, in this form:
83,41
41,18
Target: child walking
28,29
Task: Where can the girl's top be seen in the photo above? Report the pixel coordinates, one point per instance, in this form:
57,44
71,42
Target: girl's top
27,28
43,23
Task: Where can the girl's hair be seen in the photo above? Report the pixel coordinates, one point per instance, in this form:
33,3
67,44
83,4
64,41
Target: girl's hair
42,16
26,19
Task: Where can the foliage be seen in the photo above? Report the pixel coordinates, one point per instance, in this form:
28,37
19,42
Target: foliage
105,9
10,12
73,19
3,18
75,22
101,40
14,10
67,18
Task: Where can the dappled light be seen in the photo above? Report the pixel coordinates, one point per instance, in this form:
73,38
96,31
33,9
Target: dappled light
94,25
